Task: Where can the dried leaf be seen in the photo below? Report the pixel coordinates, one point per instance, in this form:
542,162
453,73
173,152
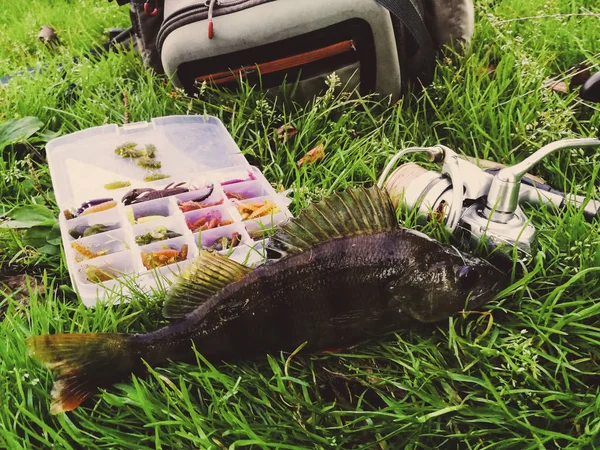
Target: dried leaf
19,287
48,36
126,107
177,93
556,86
489,70
316,154
285,132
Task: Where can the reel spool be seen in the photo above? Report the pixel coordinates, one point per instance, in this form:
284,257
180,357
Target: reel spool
412,187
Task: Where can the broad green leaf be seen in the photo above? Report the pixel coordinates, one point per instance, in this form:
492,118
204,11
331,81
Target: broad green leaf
29,216
20,224
50,249
45,136
53,237
36,237
17,130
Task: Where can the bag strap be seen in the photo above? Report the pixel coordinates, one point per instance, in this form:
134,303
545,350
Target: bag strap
409,15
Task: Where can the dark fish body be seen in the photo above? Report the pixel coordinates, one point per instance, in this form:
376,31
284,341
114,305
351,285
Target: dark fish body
334,295
328,297
327,294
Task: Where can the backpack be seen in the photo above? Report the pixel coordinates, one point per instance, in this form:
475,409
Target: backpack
374,46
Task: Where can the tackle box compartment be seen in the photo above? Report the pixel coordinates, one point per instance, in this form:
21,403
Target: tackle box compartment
113,241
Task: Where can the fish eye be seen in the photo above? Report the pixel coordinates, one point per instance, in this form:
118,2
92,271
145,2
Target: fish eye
467,277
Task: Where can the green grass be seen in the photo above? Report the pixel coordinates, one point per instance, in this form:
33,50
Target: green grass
522,373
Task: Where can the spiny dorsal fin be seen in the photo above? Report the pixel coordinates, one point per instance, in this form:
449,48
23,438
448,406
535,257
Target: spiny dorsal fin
208,274
352,212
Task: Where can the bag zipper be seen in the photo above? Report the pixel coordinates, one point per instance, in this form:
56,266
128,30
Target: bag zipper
199,11
203,6
278,65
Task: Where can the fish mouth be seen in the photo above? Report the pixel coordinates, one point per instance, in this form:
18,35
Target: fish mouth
484,296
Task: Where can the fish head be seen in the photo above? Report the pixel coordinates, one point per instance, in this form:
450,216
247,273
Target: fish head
440,284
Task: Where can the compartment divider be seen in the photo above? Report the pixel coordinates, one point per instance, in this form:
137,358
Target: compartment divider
132,245
129,255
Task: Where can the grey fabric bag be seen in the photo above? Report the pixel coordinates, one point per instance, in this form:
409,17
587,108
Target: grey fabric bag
381,46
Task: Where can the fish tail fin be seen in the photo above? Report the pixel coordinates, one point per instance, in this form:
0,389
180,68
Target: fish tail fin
84,363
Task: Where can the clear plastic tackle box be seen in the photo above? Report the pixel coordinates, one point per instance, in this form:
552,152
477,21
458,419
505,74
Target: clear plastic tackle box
115,238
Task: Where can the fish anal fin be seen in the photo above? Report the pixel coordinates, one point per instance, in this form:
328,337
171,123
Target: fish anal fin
349,213
208,274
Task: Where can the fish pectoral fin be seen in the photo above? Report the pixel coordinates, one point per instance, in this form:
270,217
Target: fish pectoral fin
349,213
209,273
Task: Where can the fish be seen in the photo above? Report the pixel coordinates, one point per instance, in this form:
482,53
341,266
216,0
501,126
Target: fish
341,272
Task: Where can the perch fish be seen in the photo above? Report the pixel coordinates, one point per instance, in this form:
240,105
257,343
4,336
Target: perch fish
347,272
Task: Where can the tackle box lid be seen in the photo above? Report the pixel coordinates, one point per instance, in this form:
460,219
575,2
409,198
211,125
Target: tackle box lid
82,163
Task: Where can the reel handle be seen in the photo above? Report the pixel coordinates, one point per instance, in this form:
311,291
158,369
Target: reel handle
534,192
503,196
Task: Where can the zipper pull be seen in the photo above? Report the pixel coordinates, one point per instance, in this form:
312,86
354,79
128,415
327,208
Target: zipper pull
150,10
211,29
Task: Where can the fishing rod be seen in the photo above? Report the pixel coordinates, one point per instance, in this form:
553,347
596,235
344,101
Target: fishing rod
484,205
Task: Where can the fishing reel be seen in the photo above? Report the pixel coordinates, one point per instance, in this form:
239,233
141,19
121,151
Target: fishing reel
484,205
